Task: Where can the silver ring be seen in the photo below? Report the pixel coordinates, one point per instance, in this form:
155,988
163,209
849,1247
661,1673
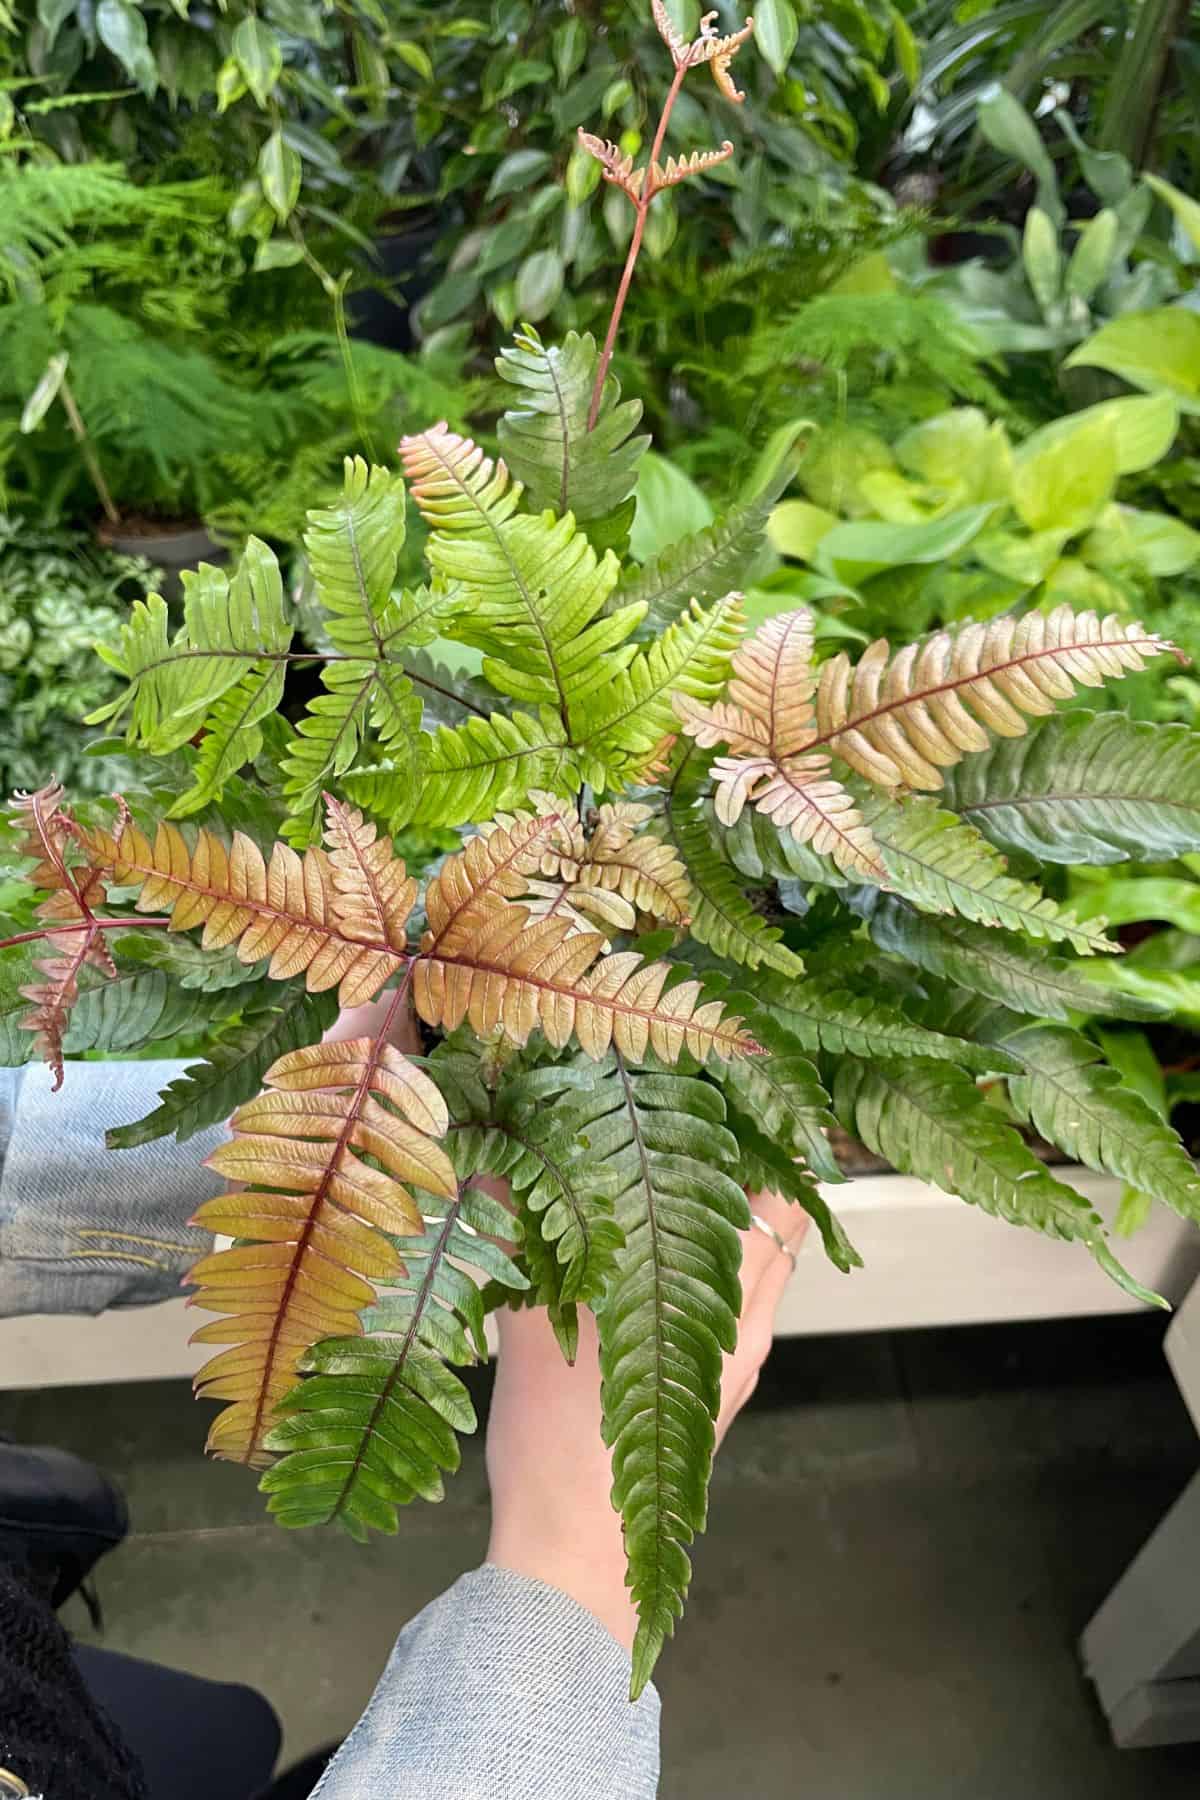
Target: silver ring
776,1238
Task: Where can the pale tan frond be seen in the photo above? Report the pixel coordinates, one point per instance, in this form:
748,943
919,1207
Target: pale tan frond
316,1212
453,483
800,796
770,707
310,914
521,975
492,867
616,163
670,37
719,53
900,720
47,834
680,168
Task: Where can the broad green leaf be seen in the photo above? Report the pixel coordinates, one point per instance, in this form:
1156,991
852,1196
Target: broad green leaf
1143,428
568,47
1042,259
46,392
1063,483
796,527
776,29
279,171
259,56
278,253
1185,209
122,29
854,551
962,451
669,506
52,16
1158,351
1157,544
1007,126
415,56
516,171
1093,256
539,284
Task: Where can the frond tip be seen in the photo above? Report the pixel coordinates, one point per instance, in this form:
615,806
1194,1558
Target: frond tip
616,164
679,168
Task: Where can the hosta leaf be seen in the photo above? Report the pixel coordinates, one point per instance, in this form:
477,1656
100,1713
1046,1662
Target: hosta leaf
238,1059
997,965
1086,788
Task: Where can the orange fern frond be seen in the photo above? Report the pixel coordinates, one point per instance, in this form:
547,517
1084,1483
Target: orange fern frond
769,724
676,44
47,835
489,961
453,483
616,163
337,915
900,720
680,168
719,53
316,1212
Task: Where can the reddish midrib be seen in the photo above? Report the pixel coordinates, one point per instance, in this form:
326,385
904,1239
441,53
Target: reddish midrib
341,1144
965,681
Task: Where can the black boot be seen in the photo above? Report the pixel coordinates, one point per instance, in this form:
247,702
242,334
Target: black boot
58,1516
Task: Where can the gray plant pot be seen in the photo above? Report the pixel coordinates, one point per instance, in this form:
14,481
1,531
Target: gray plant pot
170,550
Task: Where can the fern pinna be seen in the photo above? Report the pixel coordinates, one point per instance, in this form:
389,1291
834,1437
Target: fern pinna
708,895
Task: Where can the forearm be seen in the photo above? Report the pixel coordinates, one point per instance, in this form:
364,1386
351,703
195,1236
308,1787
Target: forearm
502,1689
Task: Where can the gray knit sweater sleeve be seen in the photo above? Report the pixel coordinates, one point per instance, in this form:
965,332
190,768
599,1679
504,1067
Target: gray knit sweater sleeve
502,1689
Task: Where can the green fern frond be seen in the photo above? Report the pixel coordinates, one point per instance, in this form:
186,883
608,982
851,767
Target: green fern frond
822,1014
722,917
353,550
470,772
329,737
447,695
782,1091
704,565
929,1120
1086,788
113,1016
238,1058
765,1167
547,444
943,864
632,712
372,1427
669,1312
998,965
1071,1096
232,628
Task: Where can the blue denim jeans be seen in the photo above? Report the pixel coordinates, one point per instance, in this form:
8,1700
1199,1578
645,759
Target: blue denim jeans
83,1228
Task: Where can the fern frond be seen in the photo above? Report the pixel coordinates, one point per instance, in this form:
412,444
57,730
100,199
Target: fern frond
998,965
74,937
765,1166
679,168
470,772
782,1091
372,1426
1086,788
311,1205
353,550
615,163
233,630
1068,1093
721,915
900,720
308,914
704,565
823,1014
486,960
669,1312
236,1062
546,442
631,714
929,1119
768,724
109,1014
538,591
945,865
625,863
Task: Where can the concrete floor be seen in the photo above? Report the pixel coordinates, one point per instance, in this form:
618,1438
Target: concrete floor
908,1533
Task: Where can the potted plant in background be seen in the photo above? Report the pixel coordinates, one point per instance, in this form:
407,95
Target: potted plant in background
617,1026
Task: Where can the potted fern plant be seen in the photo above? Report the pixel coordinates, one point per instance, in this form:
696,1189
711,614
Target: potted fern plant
707,895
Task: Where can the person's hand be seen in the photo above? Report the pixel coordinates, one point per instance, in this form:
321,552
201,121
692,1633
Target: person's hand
550,1472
